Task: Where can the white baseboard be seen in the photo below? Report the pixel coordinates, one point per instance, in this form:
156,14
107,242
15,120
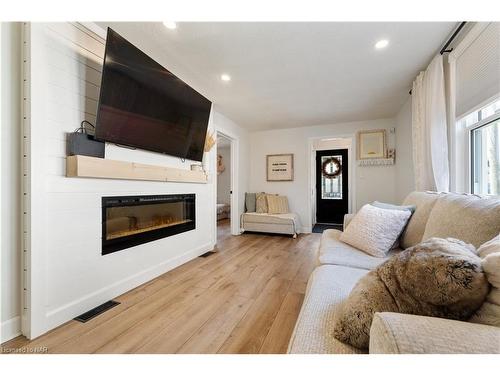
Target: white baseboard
306,230
67,312
11,329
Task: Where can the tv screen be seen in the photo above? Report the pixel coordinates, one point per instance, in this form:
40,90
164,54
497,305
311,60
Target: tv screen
144,105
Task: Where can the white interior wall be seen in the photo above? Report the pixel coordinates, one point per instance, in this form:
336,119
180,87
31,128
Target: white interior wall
10,181
68,275
240,163
405,182
372,183
224,179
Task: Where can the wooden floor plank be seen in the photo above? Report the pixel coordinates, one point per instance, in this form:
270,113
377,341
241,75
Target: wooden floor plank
210,337
276,341
250,333
245,298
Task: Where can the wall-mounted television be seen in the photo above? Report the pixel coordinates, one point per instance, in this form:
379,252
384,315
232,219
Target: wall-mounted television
144,105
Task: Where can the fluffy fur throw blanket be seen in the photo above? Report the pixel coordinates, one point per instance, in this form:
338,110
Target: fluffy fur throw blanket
438,277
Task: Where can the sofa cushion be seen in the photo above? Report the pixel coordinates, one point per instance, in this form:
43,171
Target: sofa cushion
375,230
439,277
334,251
393,333
424,202
328,286
469,218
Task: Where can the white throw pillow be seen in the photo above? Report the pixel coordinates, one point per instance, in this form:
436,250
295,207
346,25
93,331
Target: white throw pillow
489,247
489,312
374,230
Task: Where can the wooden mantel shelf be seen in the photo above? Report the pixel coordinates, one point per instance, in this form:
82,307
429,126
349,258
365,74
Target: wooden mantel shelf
89,167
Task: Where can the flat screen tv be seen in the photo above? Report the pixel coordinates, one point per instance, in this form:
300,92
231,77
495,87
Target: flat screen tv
144,105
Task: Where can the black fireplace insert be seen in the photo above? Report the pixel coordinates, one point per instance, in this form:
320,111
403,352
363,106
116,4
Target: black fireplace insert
133,220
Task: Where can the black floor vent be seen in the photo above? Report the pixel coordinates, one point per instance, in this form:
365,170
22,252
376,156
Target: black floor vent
85,317
207,254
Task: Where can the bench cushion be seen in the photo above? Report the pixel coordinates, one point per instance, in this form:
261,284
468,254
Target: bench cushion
334,251
271,223
328,286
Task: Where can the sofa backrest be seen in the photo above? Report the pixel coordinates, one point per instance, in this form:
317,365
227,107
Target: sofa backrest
424,203
470,218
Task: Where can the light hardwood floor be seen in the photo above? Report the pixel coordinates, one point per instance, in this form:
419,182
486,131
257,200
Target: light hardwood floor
243,299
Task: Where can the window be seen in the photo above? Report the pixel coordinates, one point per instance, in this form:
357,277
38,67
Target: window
483,129
331,187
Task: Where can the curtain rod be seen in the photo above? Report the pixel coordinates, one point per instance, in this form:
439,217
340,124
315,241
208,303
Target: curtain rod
449,41
444,49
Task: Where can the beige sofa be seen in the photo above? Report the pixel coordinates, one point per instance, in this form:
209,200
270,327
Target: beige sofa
470,218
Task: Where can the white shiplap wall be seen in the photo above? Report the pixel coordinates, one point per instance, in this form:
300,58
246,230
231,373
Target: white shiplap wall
10,217
66,273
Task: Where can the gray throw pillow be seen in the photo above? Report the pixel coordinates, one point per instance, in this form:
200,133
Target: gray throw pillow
250,202
388,206
439,277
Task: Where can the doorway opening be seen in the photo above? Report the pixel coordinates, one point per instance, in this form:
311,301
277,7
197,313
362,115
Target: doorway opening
332,194
331,182
224,186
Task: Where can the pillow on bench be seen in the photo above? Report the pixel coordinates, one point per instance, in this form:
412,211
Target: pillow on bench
250,203
261,203
277,204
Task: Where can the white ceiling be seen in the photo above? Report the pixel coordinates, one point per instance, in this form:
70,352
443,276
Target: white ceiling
294,74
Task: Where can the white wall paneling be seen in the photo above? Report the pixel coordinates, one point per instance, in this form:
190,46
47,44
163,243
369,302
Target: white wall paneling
1,201
10,110
66,273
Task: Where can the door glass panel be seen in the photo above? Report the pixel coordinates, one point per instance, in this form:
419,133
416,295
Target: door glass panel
331,177
486,159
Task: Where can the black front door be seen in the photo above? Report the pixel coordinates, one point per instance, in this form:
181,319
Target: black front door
332,200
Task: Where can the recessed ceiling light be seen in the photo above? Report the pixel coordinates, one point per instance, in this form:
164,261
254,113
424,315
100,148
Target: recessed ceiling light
381,44
170,25
225,77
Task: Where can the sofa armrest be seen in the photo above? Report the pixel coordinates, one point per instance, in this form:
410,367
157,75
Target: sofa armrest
347,219
393,333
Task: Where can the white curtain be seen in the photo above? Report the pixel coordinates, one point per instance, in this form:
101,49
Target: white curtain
429,130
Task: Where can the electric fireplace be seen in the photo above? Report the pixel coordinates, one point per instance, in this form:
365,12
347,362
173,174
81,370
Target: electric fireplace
132,220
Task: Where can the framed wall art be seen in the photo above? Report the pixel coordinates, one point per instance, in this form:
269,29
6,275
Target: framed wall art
279,167
372,144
